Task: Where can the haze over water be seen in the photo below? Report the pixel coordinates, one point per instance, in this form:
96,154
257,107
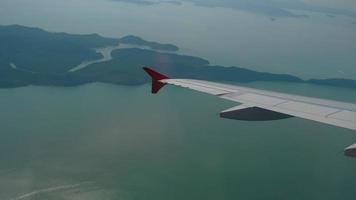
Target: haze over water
111,142
318,46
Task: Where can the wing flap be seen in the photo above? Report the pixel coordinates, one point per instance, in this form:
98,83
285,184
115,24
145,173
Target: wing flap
308,108
324,114
344,115
256,99
345,123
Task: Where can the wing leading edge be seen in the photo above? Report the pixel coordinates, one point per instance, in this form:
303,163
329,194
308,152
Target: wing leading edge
261,105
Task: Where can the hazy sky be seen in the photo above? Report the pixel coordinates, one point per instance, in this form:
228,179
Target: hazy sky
276,8
344,4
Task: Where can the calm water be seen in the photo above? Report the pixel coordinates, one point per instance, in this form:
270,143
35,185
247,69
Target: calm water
111,142
314,47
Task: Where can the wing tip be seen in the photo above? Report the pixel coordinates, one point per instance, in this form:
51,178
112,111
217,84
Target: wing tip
156,85
156,76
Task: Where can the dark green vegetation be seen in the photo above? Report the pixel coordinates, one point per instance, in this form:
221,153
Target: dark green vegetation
44,58
130,39
126,68
37,50
334,82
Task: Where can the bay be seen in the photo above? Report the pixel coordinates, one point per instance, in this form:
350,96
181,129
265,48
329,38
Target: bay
114,142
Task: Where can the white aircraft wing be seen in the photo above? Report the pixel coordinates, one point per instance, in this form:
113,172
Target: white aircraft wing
325,111
261,105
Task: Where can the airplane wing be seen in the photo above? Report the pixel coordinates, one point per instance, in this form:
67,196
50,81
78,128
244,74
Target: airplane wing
261,105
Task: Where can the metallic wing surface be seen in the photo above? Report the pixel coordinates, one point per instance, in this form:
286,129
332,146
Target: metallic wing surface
261,105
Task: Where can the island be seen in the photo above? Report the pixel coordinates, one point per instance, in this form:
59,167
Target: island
32,56
134,40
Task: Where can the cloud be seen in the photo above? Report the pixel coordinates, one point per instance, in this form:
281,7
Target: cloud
282,8
336,4
138,2
149,3
272,8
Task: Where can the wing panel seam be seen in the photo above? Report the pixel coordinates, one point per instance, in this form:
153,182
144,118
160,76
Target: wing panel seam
328,115
199,85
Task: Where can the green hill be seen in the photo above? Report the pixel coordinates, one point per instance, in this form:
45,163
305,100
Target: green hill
37,50
31,56
134,40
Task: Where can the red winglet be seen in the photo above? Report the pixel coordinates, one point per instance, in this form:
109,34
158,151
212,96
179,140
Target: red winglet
156,77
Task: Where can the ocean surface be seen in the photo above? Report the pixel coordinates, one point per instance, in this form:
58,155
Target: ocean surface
110,142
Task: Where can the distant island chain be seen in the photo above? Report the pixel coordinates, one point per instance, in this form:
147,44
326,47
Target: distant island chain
32,56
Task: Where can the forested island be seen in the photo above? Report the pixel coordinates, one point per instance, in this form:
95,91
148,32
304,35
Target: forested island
31,56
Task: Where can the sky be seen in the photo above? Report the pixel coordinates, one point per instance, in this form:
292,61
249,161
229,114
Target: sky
342,4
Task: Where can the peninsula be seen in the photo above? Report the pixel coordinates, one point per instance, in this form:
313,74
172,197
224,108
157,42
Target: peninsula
32,56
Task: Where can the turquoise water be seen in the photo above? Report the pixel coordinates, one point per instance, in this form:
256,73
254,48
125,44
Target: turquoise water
112,142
